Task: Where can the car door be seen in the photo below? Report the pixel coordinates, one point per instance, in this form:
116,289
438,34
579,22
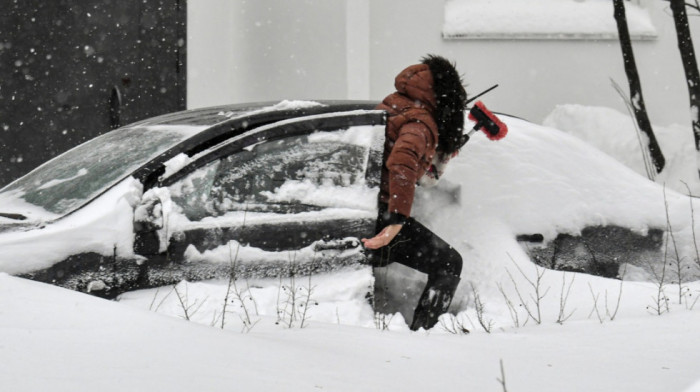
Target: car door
293,196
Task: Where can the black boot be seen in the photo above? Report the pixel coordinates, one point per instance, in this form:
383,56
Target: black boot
434,301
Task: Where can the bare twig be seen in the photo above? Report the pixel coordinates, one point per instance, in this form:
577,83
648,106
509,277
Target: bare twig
298,300
287,314
617,303
660,304
563,298
382,321
215,317
536,313
188,309
694,302
153,301
306,302
692,223
512,310
185,308
162,301
487,325
646,158
231,282
677,261
252,299
502,380
456,326
232,289
595,305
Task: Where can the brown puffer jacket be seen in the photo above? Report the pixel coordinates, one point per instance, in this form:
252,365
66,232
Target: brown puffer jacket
411,139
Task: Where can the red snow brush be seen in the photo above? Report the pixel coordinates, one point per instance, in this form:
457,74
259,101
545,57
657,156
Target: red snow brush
486,121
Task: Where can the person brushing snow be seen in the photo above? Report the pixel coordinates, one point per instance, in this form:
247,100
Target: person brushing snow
423,131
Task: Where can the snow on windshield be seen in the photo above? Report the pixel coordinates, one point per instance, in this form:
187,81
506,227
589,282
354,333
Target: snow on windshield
53,183
75,177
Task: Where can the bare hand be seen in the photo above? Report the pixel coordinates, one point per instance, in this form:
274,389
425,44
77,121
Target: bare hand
383,238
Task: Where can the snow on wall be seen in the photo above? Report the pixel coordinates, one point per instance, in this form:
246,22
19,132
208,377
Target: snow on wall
543,19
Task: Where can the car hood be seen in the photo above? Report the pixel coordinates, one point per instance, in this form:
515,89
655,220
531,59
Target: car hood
101,227
7,225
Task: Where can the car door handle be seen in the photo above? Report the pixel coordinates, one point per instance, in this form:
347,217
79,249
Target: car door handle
337,244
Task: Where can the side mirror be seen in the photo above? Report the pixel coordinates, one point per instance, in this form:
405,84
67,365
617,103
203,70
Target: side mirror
148,215
148,225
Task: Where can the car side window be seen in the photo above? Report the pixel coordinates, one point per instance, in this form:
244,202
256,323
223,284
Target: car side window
192,193
289,175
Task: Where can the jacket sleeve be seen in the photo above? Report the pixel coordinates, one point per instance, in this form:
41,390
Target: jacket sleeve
437,169
403,165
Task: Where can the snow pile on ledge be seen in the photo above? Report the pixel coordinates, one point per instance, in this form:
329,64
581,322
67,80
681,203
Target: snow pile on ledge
541,19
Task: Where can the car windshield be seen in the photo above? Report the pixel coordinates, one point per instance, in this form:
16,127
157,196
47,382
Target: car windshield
70,180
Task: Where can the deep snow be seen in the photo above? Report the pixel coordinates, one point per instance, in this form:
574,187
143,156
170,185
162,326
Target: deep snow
536,180
58,340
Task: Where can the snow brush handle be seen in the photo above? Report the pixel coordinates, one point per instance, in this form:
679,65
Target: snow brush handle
488,122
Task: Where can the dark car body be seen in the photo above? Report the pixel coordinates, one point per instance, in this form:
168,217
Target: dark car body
254,189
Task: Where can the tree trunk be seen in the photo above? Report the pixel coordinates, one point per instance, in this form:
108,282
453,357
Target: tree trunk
690,65
636,98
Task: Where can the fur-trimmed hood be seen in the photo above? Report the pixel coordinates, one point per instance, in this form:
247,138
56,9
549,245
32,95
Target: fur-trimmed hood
451,102
436,83
416,82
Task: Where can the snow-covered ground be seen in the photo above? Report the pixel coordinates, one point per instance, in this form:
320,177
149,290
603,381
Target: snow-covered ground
58,340
537,180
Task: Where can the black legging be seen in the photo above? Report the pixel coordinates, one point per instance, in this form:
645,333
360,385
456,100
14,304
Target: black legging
419,248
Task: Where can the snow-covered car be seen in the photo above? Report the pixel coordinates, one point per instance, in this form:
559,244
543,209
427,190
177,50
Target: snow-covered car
253,189
263,190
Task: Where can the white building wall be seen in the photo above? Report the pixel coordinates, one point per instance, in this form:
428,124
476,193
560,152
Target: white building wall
534,76
241,51
333,49
211,39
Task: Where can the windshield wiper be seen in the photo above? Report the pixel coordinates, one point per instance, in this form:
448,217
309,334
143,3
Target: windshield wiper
12,216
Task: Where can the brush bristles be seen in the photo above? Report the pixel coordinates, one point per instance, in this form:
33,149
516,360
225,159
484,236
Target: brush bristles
488,122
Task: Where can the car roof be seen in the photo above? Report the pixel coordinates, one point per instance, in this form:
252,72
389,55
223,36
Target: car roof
260,111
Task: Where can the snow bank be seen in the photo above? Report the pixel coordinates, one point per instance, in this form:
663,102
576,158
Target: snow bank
615,134
540,180
59,340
